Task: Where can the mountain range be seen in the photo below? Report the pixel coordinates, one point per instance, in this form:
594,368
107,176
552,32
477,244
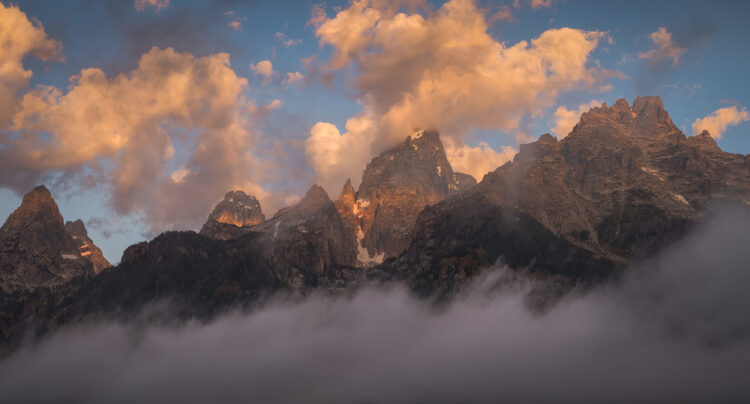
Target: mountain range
623,185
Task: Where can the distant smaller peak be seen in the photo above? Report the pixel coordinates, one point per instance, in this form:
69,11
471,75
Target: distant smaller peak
76,228
547,138
348,188
315,191
704,139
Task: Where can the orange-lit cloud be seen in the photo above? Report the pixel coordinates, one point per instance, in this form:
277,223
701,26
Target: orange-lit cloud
125,130
293,77
19,37
157,5
479,160
264,68
664,48
286,40
442,69
536,4
720,120
566,119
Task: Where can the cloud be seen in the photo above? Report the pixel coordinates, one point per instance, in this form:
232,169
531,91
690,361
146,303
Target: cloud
337,157
443,70
157,5
124,131
286,41
664,48
235,25
263,111
676,329
503,15
566,119
479,160
720,120
536,4
293,77
264,68
20,37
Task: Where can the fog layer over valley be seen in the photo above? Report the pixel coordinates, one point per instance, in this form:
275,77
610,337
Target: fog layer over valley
675,328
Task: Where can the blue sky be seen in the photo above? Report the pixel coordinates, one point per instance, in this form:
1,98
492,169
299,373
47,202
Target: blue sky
112,36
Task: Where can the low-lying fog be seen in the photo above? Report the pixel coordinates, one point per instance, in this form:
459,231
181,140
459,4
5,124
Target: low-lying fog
676,329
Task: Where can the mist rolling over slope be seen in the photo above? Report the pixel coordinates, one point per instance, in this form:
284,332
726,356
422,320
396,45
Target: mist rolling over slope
675,329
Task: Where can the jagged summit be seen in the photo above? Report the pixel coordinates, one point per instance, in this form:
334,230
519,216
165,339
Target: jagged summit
239,209
623,170
646,119
37,249
419,159
236,210
396,186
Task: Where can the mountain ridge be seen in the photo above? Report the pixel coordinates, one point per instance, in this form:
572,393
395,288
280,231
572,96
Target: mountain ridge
623,185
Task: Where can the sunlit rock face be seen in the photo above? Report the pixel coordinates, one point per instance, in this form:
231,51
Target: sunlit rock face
237,210
36,250
86,247
395,187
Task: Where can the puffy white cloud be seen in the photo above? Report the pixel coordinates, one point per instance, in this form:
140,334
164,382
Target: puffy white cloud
336,156
479,160
442,69
664,48
719,120
264,68
124,130
20,36
566,119
157,5
292,77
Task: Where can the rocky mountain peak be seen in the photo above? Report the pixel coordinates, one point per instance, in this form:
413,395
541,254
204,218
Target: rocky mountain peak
646,122
396,186
36,205
36,249
235,211
704,140
239,209
418,159
347,195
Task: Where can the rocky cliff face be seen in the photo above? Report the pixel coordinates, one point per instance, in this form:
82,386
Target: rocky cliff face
36,250
625,183
309,237
395,187
235,211
86,247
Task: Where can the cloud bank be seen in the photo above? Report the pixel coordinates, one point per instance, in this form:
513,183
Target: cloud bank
718,121
123,131
413,68
676,329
